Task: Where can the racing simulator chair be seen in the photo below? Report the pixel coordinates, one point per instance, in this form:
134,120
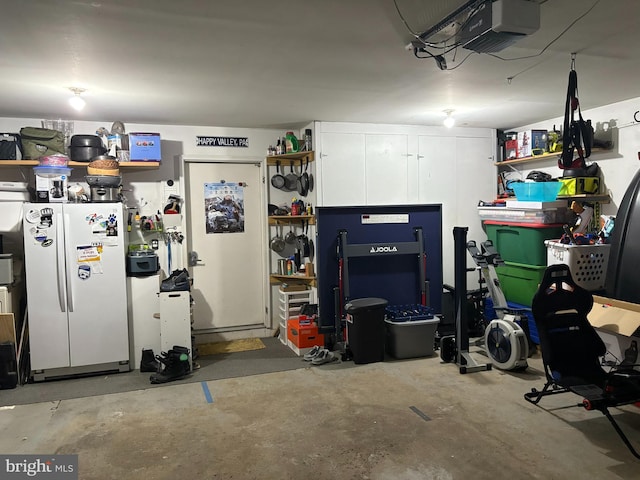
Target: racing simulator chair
572,350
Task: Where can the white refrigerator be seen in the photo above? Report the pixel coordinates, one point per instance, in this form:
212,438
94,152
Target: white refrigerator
76,288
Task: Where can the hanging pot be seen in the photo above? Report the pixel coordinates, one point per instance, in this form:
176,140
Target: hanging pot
292,180
290,237
278,180
277,243
303,181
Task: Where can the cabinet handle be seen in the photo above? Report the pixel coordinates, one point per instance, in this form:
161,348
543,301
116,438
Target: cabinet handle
421,156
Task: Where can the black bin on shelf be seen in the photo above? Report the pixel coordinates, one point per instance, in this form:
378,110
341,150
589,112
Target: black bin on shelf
366,329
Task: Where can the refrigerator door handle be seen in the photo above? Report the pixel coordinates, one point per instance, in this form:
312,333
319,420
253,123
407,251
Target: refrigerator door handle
68,274
59,258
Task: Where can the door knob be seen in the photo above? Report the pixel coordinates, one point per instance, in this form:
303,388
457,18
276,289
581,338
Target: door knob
193,259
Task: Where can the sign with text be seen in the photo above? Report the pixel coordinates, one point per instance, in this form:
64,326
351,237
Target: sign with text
222,142
54,467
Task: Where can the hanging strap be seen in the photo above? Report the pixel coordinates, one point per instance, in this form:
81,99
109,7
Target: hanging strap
576,135
567,143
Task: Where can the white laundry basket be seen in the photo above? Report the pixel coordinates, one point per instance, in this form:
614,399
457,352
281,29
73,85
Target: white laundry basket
587,263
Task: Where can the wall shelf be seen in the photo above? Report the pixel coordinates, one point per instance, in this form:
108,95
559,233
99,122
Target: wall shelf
277,279
123,165
287,219
544,156
298,158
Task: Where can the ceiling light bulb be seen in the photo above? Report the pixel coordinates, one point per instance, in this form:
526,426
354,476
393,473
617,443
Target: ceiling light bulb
77,102
449,121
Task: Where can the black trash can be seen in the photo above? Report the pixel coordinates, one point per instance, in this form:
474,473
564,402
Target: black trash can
366,329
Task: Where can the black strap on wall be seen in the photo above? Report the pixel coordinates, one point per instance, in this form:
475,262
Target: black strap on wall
576,135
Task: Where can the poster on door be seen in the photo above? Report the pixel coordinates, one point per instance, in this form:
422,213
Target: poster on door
224,207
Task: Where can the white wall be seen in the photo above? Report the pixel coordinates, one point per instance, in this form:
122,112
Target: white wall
435,165
145,189
619,165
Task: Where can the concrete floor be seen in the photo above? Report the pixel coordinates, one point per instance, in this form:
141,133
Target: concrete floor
337,421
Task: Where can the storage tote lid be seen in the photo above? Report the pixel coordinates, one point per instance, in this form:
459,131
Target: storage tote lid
523,224
365,304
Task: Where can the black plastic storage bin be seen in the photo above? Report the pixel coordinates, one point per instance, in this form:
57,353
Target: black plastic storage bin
366,329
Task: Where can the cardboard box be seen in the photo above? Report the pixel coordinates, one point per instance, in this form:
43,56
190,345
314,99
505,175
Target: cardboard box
52,184
511,149
144,147
303,334
617,323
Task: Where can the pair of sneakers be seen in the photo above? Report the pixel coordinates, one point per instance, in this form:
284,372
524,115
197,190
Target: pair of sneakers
319,356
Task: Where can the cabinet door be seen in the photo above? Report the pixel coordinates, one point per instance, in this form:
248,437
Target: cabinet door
342,169
474,175
437,184
386,169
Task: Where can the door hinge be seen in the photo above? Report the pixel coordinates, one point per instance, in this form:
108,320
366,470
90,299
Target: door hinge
263,180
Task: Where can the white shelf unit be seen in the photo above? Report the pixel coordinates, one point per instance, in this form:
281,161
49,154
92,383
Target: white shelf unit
175,321
290,305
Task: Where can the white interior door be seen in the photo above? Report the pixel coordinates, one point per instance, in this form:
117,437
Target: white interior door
228,235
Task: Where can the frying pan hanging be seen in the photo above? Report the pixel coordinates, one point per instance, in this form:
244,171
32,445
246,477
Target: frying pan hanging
291,180
303,180
277,243
278,180
302,243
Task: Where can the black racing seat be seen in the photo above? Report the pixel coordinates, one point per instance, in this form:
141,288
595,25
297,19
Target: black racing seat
572,350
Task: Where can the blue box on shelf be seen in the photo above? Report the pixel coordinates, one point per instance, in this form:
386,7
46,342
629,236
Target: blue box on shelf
144,147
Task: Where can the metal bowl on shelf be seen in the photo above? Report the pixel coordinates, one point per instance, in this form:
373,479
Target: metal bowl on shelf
103,180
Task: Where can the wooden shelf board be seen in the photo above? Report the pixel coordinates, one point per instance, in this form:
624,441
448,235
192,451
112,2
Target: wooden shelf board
602,198
298,158
544,156
35,163
286,219
276,279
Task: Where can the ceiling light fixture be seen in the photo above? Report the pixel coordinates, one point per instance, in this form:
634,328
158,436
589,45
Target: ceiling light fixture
449,121
77,102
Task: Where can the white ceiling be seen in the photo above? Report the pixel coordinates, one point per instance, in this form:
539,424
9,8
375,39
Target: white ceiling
283,63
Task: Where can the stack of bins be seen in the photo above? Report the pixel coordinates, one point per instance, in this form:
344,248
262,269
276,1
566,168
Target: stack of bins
521,246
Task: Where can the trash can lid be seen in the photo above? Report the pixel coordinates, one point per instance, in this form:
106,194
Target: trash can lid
364,304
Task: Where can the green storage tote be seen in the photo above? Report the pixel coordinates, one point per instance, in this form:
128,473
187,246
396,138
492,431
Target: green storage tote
520,282
522,242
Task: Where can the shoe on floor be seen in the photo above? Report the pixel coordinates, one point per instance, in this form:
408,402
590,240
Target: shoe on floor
325,356
313,353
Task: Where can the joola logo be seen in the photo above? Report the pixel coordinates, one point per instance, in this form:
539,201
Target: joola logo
384,248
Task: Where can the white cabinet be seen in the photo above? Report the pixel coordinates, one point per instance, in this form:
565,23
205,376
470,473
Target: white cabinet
144,327
363,169
342,170
386,169
175,320
456,172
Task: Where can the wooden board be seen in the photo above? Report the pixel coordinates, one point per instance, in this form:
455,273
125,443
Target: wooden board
7,328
